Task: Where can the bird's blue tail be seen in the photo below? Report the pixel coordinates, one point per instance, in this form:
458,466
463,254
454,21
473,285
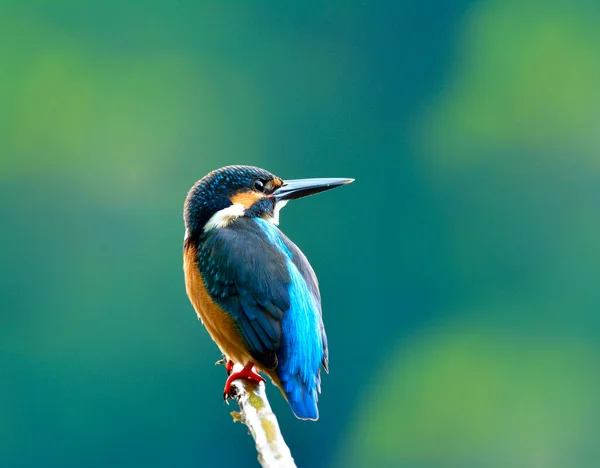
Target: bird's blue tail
302,399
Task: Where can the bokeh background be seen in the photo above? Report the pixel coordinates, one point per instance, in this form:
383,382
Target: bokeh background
460,273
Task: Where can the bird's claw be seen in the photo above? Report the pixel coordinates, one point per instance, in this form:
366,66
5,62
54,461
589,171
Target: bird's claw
249,372
230,395
228,364
221,361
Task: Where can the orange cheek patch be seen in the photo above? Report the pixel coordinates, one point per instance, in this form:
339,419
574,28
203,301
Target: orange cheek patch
276,183
246,199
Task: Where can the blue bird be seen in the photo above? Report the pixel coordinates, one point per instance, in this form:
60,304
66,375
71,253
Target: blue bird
252,288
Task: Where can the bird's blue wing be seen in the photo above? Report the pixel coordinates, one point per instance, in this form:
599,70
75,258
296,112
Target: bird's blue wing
304,345
308,274
260,278
248,277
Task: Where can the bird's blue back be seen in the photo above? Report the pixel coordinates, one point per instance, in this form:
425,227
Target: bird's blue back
303,344
259,277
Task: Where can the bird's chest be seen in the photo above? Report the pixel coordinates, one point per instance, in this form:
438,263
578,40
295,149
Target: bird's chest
218,323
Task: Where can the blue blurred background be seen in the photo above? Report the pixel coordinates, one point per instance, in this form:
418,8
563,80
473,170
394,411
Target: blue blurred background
459,273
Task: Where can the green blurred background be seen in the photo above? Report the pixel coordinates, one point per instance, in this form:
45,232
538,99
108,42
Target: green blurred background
459,273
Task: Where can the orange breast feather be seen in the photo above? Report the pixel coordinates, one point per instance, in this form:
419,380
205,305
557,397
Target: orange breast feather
219,324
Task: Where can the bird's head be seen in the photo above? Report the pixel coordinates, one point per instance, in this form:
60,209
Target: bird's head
234,191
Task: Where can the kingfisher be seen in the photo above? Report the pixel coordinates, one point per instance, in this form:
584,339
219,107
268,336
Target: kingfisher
251,286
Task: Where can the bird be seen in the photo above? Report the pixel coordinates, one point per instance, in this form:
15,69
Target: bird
251,286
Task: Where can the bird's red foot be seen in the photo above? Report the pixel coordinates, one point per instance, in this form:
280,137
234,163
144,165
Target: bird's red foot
248,372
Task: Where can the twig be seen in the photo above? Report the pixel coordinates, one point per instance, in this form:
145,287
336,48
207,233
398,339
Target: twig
256,413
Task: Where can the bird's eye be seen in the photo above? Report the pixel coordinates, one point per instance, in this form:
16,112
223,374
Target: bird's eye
259,185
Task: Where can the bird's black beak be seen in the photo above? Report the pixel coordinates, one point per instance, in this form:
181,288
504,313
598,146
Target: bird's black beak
292,189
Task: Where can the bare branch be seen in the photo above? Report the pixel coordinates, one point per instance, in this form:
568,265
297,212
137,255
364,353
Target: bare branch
256,413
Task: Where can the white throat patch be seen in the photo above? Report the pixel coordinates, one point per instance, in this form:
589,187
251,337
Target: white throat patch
278,206
223,217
